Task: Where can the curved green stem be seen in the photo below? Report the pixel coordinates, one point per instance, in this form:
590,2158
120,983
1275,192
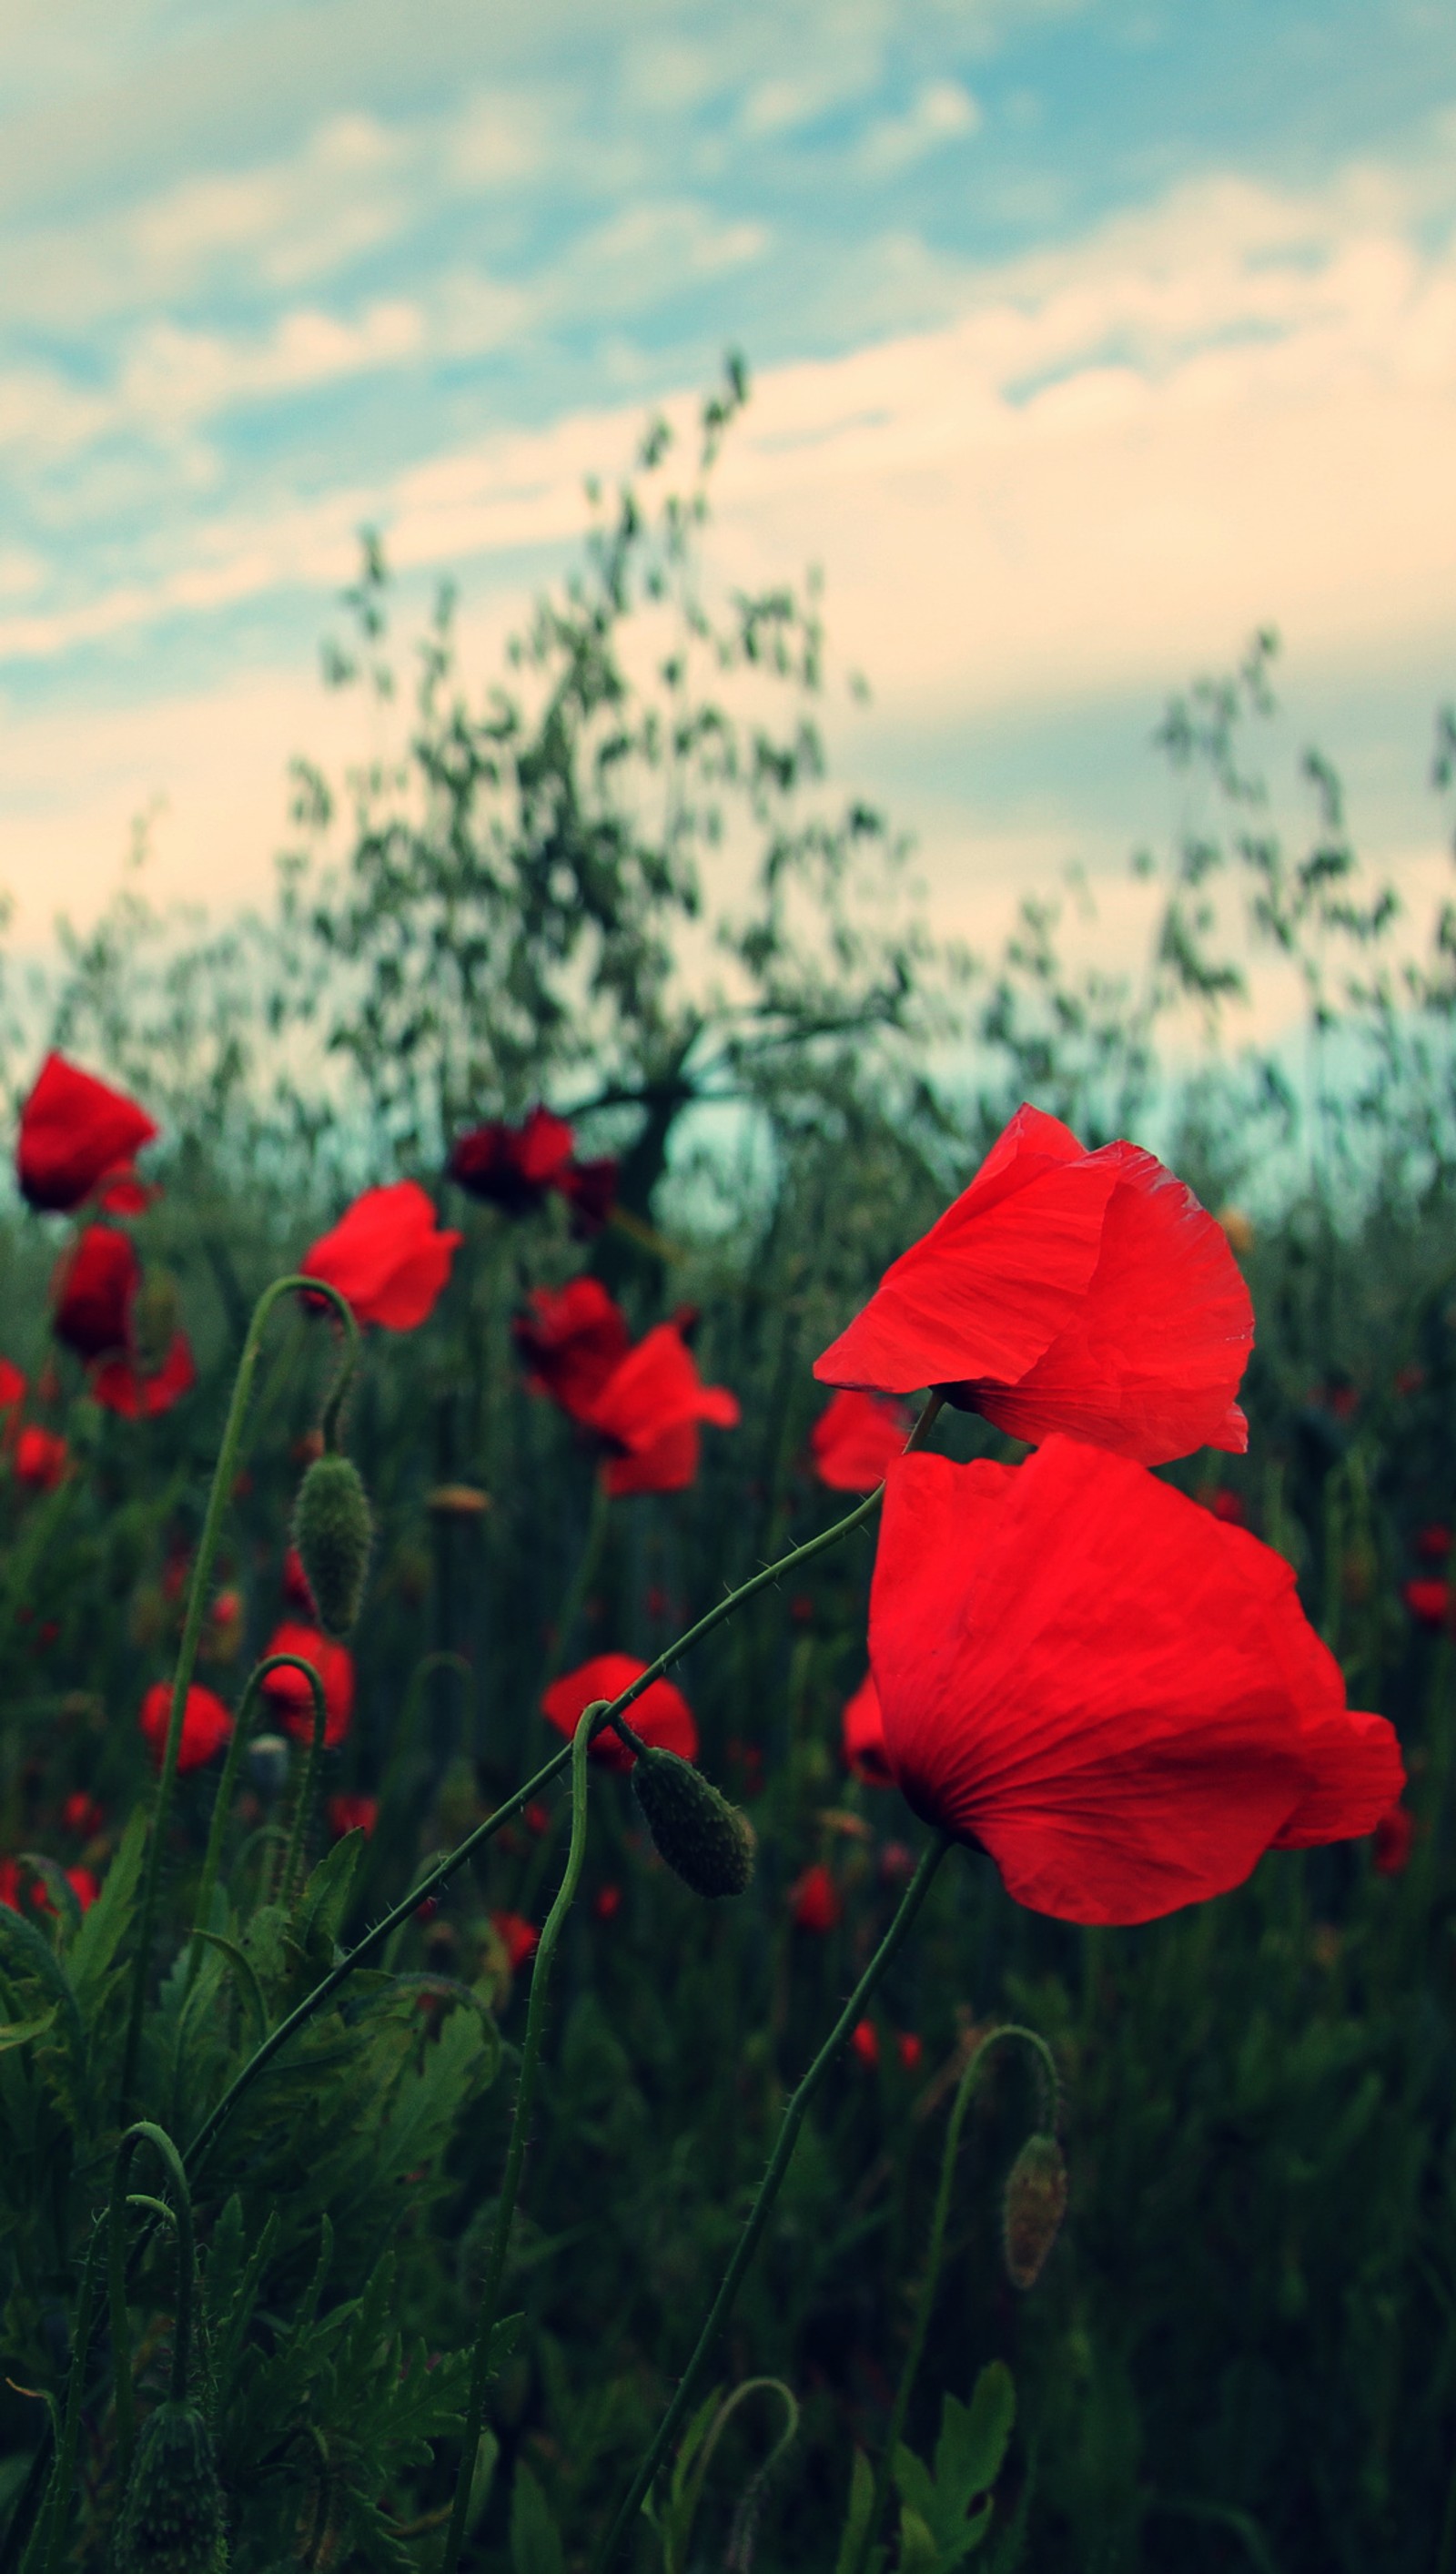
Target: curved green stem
146,2132
223,1477
778,2163
925,2299
520,2126
237,1746
308,1785
441,1875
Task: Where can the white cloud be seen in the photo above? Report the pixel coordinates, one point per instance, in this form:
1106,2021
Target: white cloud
944,112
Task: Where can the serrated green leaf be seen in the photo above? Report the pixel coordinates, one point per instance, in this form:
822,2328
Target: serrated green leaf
105,1926
325,1899
973,2437
19,2033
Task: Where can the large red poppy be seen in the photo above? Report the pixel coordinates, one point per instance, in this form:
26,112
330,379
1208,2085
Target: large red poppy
648,1411
95,1289
386,1255
120,1385
74,1130
1116,1696
862,1736
855,1439
206,1724
1065,1290
290,1692
661,1715
572,1338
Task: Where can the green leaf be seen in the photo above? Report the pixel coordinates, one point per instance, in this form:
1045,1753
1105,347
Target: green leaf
918,2553
60,1893
862,2496
105,1926
325,1899
18,2033
973,2439
535,2546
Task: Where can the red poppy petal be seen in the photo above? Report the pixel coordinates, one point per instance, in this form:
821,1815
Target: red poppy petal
669,1465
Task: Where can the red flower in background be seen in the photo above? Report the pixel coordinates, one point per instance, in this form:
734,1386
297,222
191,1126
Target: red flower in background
521,1937
1394,1834
661,1715
1064,1290
514,1166
81,1881
590,1190
296,1586
290,1692
1115,1696
387,1256
1228,1507
349,1813
74,1131
206,1724
856,1439
648,1415
82,1816
910,2049
571,1339
815,1900
1433,1544
864,2040
12,1386
864,1736
41,1458
1429,1602
119,1385
95,1287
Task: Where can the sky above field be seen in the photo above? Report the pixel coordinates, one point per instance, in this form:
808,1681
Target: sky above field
1084,338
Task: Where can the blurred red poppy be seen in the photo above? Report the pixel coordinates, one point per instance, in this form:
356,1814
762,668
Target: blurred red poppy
82,1814
121,1386
1065,1290
1228,1507
815,1900
606,1902
41,1458
83,1884
94,1290
855,1440
864,1736
1429,1602
648,1411
909,2049
290,1692
206,1724
1433,1543
521,1937
12,1386
571,1339
864,2040
590,1190
1393,1836
349,1813
386,1255
513,1166
296,1585
1117,1697
74,1130
661,1715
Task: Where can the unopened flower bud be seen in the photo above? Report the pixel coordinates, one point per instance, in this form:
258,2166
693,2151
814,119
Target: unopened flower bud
704,1838
267,1763
173,2519
1032,2209
331,1530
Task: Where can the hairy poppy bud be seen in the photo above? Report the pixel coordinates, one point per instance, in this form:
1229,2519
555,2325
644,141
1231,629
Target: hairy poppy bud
702,1836
331,1530
1032,2209
173,2518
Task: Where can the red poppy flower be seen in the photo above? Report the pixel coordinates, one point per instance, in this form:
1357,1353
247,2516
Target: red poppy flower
83,1884
606,1902
349,1813
864,2040
910,2049
661,1715
1065,1290
521,1937
648,1411
1394,1834
1117,1697
1228,1507
290,1692
82,1816
296,1585
590,1190
1433,1544
95,1286
41,1459
864,1736
1429,1602
206,1724
386,1255
855,1440
514,1166
119,1385
815,1900
74,1130
571,1339
12,1386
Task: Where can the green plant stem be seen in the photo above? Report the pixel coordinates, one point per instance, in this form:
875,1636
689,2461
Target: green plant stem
223,1477
445,1868
778,2163
515,2150
298,1838
46,2544
146,2132
237,1746
934,2254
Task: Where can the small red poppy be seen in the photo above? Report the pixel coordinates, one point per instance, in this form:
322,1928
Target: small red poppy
351,1814
120,1386
514,1166
815,1900
95,1287
571,1339
386,1255
855,1439
83,1884
1065,1290
296,1585
12,1385
206,1724
1393,1836
290,1692
1117,1697
661,1715
521,1937
910,2049
74,1131
1428,1600
1228,1507
606,1902
648,1411
41,1458
82,1814
1433,1543
864,1736
864,2040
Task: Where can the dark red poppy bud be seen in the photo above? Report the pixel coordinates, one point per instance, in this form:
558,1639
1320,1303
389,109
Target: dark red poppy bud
331,1530
173,2520
704,1840
1032,2209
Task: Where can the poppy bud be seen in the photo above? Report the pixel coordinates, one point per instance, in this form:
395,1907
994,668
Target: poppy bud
173,2518
702,1836
331,1530
1032,2208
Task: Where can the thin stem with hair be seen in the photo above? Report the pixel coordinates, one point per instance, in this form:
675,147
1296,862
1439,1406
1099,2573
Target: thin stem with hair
222,1806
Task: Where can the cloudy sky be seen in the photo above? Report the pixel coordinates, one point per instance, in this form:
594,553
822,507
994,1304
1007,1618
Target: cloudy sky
1086,337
